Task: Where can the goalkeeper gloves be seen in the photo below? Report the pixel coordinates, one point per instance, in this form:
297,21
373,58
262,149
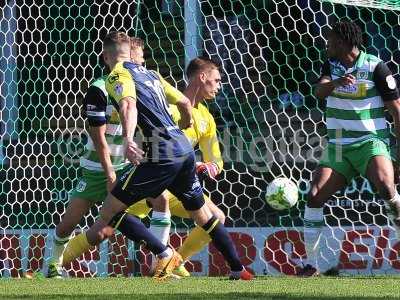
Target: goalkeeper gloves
207,170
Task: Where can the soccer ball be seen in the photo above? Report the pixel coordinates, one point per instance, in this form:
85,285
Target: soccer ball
282,193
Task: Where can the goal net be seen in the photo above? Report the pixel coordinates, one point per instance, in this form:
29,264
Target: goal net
269,125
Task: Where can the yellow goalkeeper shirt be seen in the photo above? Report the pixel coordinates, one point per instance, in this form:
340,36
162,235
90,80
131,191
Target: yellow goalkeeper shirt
202,133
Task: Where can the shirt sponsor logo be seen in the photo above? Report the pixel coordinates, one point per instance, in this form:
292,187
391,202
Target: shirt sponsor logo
113,78
356,90
349,89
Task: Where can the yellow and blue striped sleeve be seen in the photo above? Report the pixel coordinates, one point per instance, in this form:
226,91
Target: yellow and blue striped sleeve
209,144
120,84
173,95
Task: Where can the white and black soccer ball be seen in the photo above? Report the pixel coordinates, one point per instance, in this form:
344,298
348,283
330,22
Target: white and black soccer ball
282,193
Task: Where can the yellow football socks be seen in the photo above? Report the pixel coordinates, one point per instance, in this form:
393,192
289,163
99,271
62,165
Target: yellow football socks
75,248
195,241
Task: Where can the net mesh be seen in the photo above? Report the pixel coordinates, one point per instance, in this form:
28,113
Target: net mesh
381,4
268,121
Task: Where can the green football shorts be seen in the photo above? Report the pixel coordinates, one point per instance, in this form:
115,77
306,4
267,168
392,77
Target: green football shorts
352,160
91,186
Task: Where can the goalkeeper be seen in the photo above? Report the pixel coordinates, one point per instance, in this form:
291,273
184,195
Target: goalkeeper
203,133
357,87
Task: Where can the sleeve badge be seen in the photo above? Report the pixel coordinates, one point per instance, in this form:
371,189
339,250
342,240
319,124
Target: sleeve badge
391,82
118,89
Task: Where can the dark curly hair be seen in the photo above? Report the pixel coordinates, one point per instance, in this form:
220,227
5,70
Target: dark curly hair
349,32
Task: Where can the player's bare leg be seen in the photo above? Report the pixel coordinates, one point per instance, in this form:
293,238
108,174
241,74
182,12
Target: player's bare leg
131,227
325,183
216,211
76,209
97,233
380,172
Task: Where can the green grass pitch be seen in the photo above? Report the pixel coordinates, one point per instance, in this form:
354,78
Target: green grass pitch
266,288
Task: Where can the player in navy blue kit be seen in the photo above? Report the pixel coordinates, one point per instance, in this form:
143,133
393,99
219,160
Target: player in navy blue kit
165,161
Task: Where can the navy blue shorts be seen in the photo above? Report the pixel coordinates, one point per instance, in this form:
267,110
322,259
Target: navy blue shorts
150,179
